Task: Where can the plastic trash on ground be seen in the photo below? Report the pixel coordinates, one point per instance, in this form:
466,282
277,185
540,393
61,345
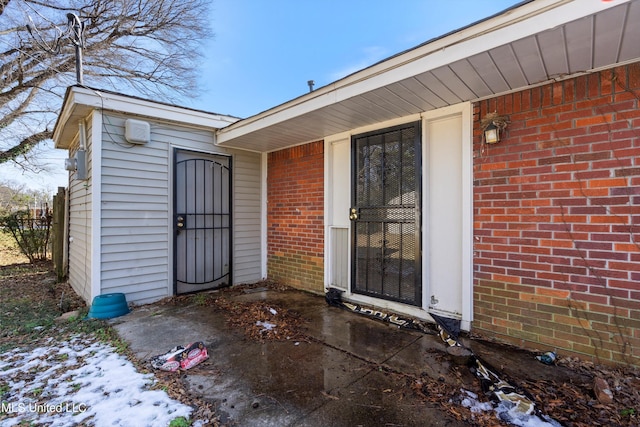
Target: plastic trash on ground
549,358
181,357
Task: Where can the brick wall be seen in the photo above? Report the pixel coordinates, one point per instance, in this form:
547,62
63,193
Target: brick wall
557,218
295,221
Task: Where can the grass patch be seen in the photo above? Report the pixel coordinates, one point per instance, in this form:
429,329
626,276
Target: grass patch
31,302
180,422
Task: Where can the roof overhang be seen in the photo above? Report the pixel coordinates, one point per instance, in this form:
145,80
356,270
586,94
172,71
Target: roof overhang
533,43
80,101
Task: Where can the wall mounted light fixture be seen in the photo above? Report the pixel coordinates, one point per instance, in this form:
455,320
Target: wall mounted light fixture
493,125
491,134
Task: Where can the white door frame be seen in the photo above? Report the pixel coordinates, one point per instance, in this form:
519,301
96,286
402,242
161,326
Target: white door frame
464,112
336,215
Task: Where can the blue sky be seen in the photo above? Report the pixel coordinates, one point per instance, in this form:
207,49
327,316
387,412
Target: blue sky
265,51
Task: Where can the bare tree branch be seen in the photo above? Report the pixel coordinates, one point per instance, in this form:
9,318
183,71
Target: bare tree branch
19,110
142,47
3,5
24,146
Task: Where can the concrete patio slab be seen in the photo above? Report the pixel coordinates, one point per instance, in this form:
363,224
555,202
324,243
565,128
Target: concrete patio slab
349,370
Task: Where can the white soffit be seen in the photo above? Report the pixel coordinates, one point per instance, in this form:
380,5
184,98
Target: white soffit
539,41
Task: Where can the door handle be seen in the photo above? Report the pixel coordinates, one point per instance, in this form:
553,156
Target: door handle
179,223
353,214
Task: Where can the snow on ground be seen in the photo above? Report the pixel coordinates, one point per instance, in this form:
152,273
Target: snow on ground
79,381
506,411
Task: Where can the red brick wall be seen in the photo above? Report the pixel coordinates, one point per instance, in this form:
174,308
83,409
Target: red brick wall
557,218
295,216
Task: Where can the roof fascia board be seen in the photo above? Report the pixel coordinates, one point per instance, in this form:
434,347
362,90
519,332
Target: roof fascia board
515,24
79,102
131,105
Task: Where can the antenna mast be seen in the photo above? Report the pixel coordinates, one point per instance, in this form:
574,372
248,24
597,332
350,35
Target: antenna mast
77,38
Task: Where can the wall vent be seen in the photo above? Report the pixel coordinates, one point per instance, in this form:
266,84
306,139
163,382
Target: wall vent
137,131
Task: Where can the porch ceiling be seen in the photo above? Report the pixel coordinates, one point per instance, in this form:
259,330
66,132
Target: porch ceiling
529,44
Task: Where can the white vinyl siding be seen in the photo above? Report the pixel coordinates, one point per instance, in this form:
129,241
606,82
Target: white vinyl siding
137,202
80,232
134,216
246,217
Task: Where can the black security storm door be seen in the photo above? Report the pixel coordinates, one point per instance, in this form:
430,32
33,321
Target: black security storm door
202,221
385,214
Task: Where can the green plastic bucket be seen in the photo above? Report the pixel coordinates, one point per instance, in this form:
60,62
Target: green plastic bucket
108,306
